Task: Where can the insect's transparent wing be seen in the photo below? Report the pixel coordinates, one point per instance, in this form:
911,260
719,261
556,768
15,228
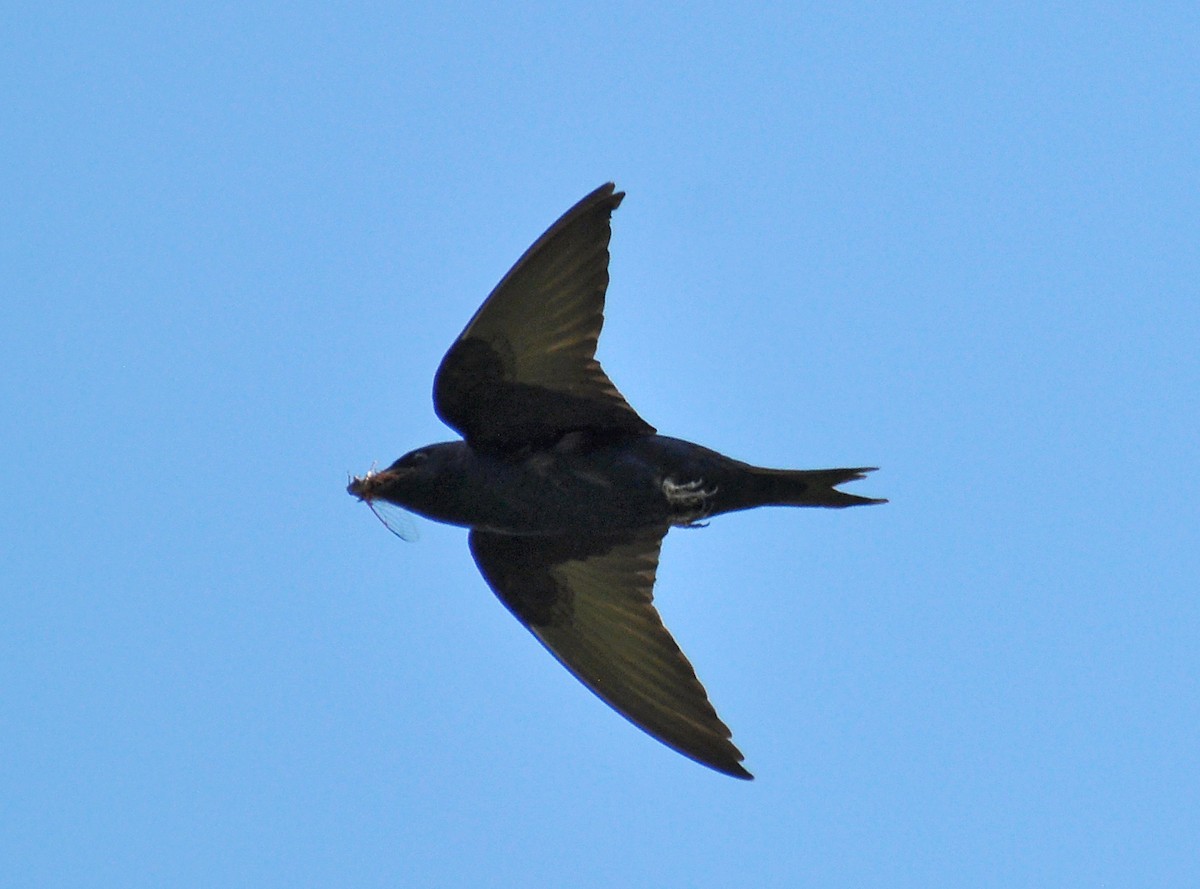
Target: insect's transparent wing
395,518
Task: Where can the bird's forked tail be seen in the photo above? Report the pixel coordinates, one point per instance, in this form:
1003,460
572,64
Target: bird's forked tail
810,487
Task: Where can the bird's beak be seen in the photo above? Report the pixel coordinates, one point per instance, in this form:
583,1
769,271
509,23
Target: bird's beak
367,487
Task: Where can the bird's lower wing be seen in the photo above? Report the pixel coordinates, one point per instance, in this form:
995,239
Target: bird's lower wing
590,602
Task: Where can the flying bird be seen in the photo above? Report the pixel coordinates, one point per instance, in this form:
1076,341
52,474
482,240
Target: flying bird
568,493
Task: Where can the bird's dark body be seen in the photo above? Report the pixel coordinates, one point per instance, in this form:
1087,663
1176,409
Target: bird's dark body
568,493
581,486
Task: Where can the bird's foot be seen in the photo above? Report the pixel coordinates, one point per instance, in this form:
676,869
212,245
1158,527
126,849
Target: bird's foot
689,502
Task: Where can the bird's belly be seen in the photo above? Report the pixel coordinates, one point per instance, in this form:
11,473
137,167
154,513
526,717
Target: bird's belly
652,483
577,500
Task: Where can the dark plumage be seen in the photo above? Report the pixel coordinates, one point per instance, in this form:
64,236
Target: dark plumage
568,492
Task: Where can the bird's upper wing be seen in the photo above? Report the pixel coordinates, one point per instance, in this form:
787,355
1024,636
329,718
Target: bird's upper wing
590,602
522,372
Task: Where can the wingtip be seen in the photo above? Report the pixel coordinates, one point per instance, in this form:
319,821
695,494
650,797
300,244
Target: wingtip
740,773
723,764
607,190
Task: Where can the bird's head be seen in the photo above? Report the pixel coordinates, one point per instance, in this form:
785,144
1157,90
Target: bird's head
413,480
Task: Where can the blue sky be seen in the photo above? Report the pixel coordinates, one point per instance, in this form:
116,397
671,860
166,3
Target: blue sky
957,242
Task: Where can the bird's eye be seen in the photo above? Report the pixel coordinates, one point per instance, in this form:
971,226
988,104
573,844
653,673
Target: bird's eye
417,457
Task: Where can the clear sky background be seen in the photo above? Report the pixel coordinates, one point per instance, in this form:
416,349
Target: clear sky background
955,241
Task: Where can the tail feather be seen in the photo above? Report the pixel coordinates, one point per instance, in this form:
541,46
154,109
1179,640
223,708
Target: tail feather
811,487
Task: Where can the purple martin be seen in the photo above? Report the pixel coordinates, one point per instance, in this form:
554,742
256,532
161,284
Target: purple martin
568,493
